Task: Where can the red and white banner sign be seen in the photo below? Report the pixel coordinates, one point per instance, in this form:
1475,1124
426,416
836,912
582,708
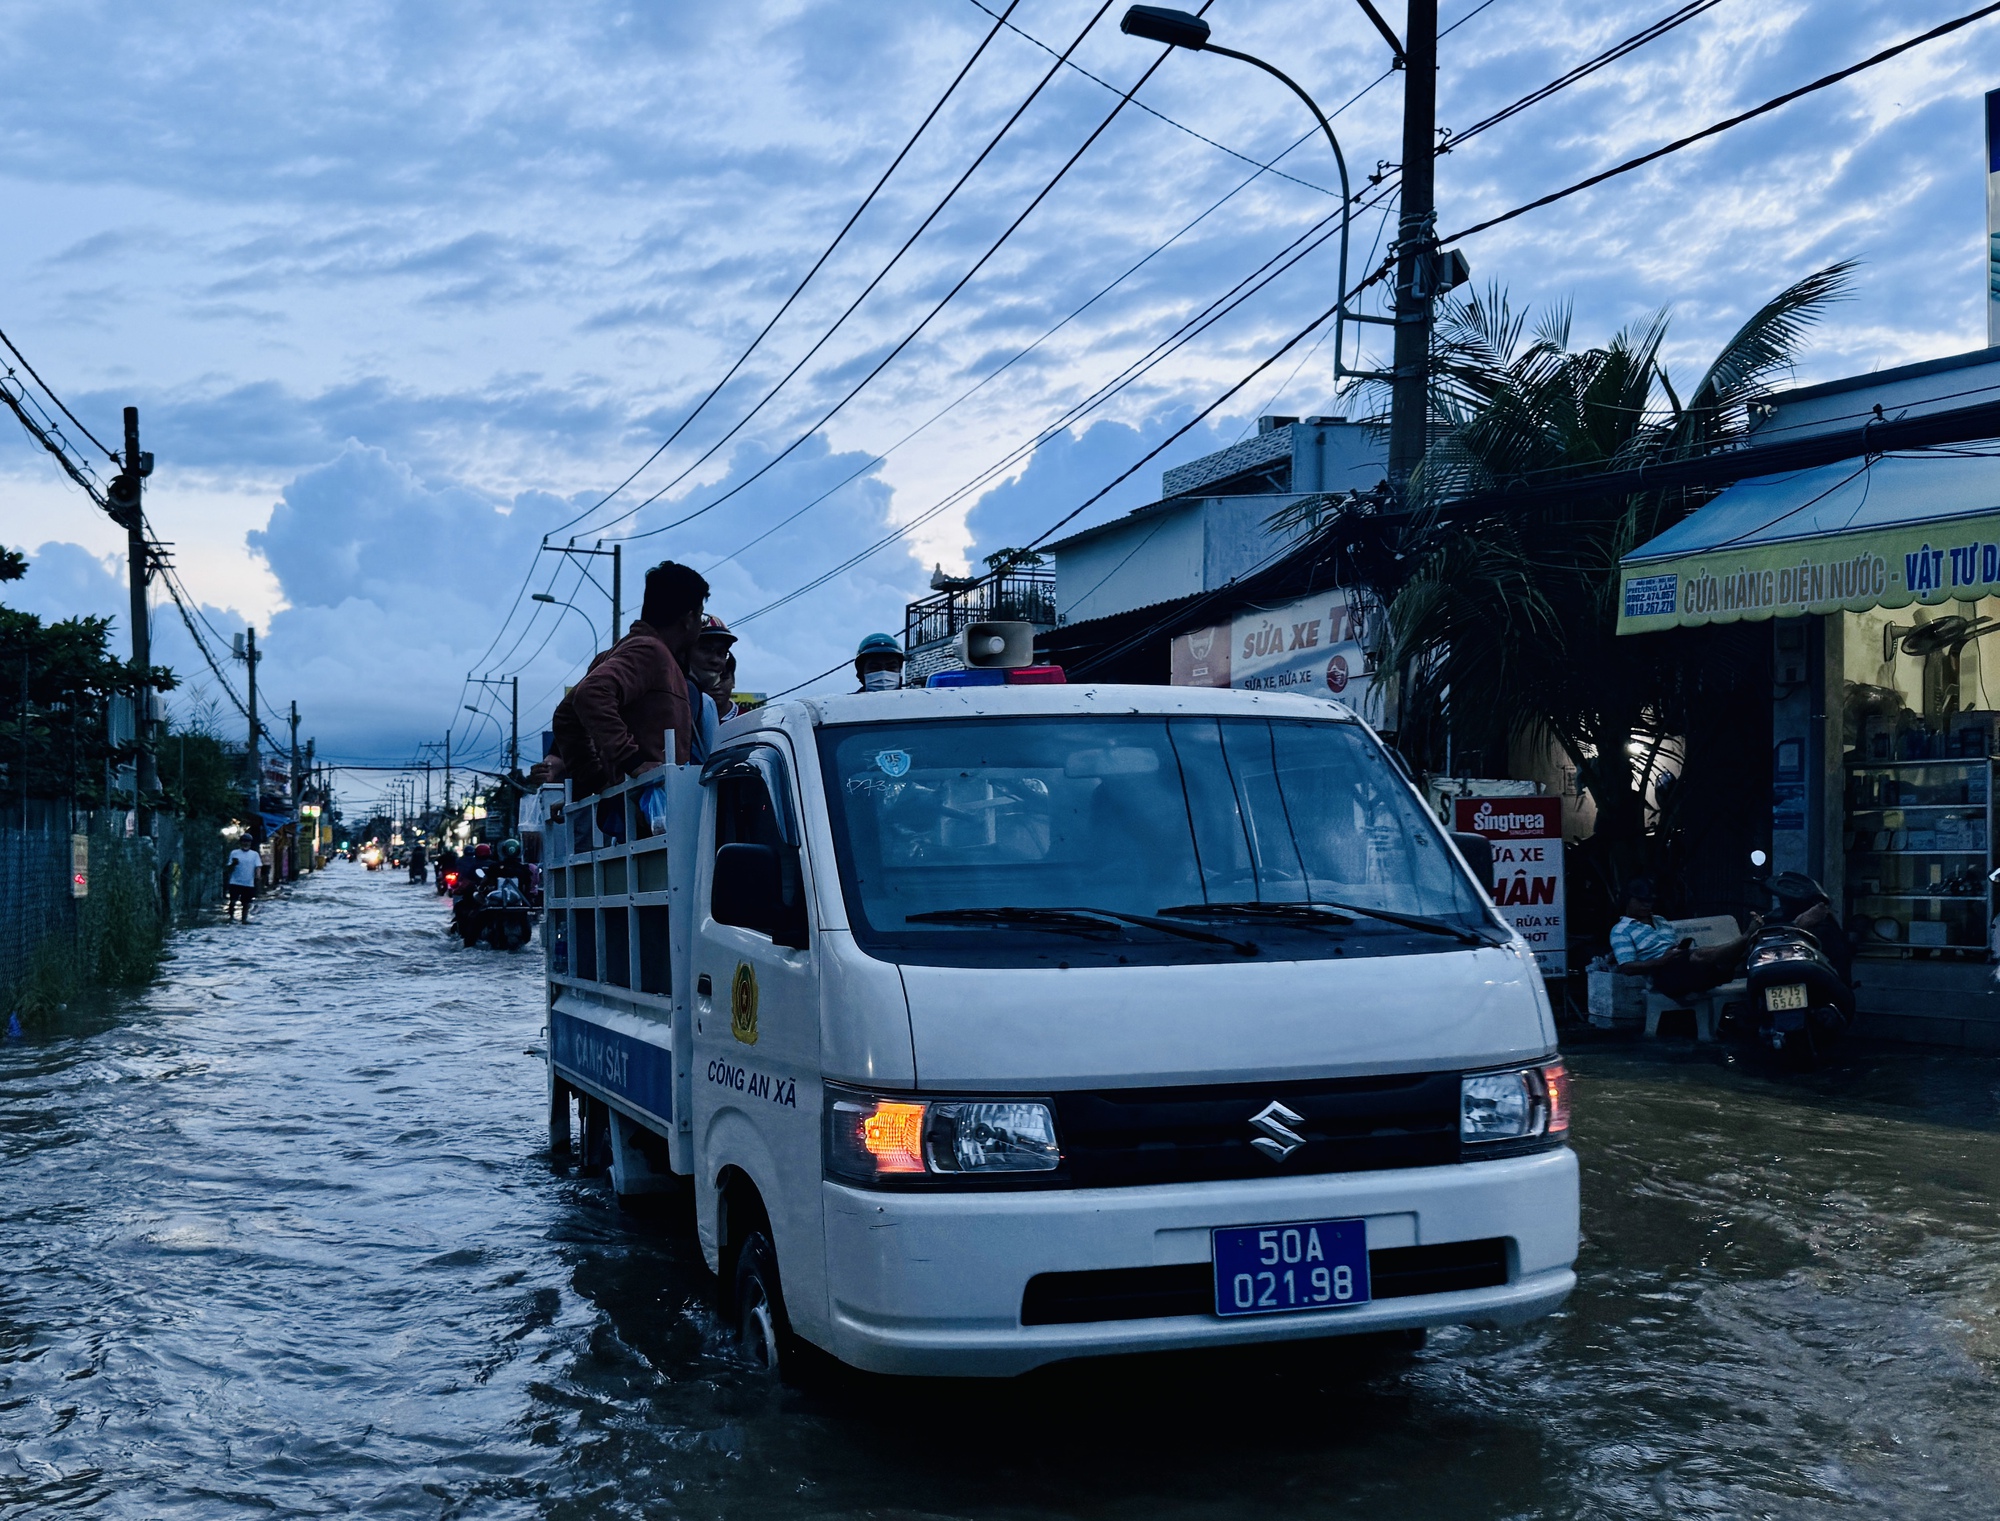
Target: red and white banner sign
1527,867
1315,647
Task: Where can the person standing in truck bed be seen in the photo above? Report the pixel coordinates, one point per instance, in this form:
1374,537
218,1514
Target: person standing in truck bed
615,722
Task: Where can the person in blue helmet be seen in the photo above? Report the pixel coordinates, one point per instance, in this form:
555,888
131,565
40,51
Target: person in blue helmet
878,664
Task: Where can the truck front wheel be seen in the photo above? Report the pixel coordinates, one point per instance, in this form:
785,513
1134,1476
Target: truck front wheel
761,1326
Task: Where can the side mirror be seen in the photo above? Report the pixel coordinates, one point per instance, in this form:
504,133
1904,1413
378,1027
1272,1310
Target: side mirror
748,891
1478,852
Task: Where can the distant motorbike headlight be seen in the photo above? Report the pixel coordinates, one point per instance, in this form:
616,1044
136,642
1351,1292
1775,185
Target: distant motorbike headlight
1515,1105
872,1139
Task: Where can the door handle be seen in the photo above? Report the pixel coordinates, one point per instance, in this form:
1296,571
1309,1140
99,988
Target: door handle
703,986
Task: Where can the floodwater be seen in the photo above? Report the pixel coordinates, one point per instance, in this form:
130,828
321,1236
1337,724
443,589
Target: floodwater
280,1237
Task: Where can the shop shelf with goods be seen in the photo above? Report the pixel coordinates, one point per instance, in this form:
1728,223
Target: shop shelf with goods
1919,848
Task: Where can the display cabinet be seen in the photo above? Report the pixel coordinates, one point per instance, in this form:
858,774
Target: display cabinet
1919,852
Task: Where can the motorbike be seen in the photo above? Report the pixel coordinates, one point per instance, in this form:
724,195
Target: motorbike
499,915
416,871
1801,1006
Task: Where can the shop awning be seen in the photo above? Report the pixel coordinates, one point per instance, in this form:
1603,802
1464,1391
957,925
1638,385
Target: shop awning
1851,535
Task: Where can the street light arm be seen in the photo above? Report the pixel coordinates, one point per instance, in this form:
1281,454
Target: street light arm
1388,34
1339,159
572,607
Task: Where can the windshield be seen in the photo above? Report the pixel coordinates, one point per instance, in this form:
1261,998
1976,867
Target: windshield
938,824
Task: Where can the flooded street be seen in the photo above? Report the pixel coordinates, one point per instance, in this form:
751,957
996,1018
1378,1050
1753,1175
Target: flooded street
281,1237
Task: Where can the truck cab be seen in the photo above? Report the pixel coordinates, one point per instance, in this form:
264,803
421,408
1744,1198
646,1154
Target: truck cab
1001,1025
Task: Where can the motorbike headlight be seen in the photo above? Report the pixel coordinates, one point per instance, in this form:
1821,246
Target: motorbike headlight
1515,1105
870,1138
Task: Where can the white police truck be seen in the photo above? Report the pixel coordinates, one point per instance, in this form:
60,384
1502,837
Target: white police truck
1002,1024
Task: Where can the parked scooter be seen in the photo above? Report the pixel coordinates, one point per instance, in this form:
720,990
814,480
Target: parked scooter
1801,1003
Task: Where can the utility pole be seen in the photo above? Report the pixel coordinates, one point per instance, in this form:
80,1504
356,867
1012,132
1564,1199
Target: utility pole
250,658
312,856
617,596
295,786
447,774
125,498
1416,248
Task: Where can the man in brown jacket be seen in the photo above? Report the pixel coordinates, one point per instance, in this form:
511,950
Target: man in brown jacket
614,723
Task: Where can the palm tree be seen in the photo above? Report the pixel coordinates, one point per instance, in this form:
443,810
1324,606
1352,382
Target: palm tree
1504,618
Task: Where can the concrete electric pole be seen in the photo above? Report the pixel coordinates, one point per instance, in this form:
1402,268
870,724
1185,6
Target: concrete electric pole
1416,248
125,498
247,653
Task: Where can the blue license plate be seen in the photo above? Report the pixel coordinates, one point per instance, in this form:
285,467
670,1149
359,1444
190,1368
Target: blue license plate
1277,1269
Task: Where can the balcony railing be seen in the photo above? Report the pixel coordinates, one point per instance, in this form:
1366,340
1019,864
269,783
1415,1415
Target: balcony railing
1020,596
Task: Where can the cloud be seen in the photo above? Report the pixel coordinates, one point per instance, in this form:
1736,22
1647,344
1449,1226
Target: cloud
432,279
1070,469
67,581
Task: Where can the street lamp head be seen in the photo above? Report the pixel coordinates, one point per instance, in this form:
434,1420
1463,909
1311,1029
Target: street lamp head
541,597
1156,23
471,709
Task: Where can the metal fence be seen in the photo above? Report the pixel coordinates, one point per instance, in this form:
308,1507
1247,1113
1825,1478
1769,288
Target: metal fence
165,883
35,900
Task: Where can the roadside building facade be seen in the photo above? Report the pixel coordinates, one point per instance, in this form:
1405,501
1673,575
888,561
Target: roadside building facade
1200,589
1879,573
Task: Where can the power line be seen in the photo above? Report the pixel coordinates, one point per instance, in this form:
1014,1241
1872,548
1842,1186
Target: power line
526,580
869,289
1771,105
1583,70
55,398
1734,121
1214,313
1097,398
907,339
1178,126
911,336
818,264
1380,195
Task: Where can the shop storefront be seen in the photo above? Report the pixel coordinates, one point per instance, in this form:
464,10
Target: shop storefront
1881,578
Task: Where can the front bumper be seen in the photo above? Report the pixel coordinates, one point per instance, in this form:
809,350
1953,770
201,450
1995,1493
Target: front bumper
932,1283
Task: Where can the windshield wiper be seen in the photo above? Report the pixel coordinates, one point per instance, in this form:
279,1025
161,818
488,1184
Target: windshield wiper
1329,914
1075,921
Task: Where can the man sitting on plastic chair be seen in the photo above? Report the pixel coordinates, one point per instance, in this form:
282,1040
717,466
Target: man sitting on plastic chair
1645,945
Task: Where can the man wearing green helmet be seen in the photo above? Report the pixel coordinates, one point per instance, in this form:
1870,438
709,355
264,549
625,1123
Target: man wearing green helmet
508,863
878,663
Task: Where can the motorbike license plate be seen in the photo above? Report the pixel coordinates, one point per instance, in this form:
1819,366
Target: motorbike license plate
1790,995
1280,1269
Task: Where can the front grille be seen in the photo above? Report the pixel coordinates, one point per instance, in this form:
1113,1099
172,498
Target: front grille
1188,1288
1122,1137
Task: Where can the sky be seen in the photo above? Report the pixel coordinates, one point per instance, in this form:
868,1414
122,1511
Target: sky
400,290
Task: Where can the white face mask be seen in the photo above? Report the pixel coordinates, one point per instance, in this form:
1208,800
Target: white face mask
881,681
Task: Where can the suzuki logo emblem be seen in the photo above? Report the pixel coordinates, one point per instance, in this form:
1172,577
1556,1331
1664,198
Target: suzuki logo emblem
1279,1140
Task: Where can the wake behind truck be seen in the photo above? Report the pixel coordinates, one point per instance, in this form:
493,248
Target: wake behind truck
1003,1024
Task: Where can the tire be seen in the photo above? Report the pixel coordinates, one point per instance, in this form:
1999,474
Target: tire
757,1300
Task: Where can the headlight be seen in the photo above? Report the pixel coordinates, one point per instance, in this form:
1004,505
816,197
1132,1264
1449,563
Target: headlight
1515,1105
869,1139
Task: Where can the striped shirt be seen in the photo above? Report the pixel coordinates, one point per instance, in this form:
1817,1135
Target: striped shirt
1636,940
